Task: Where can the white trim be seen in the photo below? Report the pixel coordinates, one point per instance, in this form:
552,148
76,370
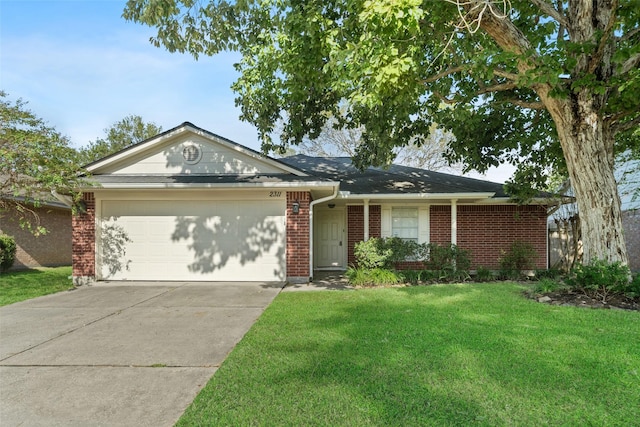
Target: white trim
454,222
366,220
413,196
311,206
315,185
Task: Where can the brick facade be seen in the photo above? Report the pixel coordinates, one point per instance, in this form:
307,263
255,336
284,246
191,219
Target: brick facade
298,236
355,227
485,230
46,250
488,230
84,238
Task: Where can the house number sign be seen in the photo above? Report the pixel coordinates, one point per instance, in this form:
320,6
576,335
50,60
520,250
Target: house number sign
275,193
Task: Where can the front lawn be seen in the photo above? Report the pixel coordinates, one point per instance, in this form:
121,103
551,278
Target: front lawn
25,284
469,354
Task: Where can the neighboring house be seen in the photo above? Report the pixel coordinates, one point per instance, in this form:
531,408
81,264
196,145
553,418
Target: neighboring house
562,222
190,205
46,250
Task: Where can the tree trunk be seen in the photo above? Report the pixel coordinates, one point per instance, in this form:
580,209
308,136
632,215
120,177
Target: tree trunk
588,150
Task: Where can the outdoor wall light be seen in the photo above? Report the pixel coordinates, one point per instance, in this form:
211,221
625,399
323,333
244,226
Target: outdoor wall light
332,205
296,207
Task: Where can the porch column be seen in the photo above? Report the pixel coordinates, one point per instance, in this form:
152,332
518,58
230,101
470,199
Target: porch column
454,222
366,219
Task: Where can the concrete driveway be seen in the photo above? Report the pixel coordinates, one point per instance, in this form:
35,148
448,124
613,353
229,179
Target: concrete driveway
115,354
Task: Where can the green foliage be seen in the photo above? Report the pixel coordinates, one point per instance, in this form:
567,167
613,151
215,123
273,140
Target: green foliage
370,254
373,277
414,277
7,252
551,273
483,274
378,66
386,252
519,257
449,262
35,160
633,289
122,134
600,279
546,285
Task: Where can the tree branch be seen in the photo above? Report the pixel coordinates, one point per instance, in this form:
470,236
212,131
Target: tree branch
524,104
630,64
550,11
608,31
496,88
621,127
444,73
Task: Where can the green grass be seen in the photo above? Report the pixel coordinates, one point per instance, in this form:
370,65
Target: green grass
471,354
26,284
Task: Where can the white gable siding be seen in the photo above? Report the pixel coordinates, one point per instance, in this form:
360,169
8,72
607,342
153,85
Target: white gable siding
216,159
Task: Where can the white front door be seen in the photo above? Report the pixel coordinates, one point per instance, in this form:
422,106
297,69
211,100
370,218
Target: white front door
329,241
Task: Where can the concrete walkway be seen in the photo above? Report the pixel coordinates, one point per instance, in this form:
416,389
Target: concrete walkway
119,355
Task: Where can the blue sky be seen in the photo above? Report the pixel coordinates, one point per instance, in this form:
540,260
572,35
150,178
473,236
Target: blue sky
82,67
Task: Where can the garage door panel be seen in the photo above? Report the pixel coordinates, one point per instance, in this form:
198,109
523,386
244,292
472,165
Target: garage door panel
199,240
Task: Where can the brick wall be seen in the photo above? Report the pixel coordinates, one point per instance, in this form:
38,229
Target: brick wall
355,227
298,236
440,225
46,250
486,230
83,241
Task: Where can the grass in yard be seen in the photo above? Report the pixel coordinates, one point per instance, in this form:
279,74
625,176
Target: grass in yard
471,354
26,284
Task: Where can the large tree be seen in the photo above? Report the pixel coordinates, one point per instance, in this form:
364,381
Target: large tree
35,161
543,84
123,133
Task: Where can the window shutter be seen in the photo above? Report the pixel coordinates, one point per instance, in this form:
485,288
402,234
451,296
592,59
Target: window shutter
386,221
423,224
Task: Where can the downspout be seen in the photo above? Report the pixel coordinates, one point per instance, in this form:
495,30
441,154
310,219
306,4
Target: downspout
311,205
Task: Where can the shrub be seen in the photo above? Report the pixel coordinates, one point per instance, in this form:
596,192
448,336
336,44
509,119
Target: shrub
518,258
483,274
546,285
386,252
373,277
411,276
633,289
371,254
7,252
450,262
600,279
402,250
552,273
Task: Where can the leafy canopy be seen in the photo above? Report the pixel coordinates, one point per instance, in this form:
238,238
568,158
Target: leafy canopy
389,65
128,131
35,160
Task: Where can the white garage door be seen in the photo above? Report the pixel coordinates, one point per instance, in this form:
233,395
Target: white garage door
192,240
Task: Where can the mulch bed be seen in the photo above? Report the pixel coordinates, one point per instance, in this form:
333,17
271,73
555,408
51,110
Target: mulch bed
579,299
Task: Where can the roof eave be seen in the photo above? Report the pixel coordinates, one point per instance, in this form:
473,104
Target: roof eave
315,185
413,196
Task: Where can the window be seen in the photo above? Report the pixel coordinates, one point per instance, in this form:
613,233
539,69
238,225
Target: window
404,223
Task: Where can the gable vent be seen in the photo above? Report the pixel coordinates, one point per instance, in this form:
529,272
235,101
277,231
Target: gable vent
191,154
